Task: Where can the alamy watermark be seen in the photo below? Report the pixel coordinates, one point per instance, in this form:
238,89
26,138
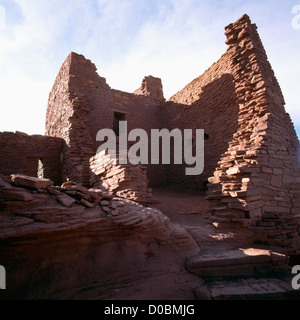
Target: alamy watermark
296,19
188,148
296,279
2,18
2,278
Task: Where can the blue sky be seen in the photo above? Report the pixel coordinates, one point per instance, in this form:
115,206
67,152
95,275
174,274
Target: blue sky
176,40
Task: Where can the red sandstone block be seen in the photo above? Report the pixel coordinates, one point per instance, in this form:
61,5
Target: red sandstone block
276,181
65,200
276,209
288,179
31,182
277,171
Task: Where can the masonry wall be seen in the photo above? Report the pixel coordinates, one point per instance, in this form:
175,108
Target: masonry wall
21,154
142,113
251,147
81,103
253,182
209,103
68,116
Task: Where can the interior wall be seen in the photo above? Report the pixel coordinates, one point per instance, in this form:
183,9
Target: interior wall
20,154
209,103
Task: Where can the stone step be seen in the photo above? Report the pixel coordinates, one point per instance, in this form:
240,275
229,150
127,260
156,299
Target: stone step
248,289
241,262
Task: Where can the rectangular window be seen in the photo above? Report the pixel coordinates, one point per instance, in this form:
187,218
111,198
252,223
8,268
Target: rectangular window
2,278
34,167
117,118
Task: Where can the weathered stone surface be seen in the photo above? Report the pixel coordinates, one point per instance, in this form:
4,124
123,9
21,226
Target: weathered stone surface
238,262
248,289
115,212
65,200
49,214
97,191
118,203
4,184
138,242
126,181
106,209
31,182
15,194
54,191
16,206
151,87
203,294
95,196
87,203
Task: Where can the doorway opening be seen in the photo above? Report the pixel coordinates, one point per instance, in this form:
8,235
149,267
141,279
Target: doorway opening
34,167
117,118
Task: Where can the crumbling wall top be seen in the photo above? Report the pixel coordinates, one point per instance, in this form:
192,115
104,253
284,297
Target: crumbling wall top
151,87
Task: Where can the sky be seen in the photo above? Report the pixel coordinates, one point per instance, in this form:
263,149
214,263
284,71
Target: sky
175,40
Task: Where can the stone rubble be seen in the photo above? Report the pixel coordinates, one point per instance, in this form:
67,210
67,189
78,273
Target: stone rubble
33,200
126,181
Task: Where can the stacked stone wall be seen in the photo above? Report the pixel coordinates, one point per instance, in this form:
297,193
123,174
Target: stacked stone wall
209,103
254,178
36,155
81,103
124,180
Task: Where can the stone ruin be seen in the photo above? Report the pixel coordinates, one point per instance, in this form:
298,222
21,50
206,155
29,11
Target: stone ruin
54,184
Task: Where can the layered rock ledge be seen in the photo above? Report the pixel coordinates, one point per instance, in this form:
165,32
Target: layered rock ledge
70,242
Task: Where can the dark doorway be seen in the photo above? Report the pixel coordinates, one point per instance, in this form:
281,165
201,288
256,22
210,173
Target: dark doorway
117,118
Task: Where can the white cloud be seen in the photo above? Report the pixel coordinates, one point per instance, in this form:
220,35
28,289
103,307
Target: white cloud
28,54
174,46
